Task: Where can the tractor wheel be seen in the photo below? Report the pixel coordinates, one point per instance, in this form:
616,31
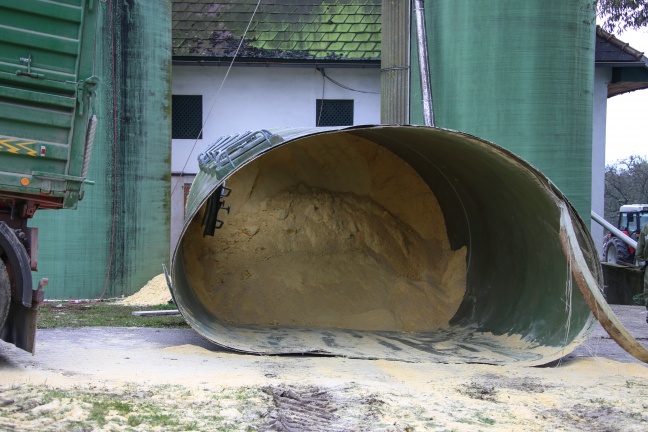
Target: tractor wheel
616,251
5,293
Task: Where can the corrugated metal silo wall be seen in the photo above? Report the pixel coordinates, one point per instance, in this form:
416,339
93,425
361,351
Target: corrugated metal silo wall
120,232
520,74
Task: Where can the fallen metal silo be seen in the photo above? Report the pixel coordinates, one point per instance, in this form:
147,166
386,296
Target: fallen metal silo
394,242
119,236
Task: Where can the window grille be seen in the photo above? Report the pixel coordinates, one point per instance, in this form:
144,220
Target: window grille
334,112
186,117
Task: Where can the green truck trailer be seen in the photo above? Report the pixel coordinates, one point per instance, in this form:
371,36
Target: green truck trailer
47,87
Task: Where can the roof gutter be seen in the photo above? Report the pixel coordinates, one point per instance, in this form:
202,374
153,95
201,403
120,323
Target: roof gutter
225,62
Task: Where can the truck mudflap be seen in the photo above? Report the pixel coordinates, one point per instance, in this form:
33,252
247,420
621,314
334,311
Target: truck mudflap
20,326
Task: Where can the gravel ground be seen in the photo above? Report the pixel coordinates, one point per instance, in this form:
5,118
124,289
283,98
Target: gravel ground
143,379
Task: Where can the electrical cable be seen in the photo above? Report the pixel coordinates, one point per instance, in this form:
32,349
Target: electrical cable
319,118
344,86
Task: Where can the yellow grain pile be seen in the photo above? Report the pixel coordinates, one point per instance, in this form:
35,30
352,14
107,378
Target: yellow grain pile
155,292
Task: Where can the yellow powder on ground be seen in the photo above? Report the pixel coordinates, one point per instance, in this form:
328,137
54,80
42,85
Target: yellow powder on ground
342,235
155,292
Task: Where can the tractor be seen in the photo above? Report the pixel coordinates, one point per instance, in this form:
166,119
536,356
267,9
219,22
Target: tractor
632,218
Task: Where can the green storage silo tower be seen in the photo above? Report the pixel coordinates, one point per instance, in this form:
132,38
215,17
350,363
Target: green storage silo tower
118,238
519,74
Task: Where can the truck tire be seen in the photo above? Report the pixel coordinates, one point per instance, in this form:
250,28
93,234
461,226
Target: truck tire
616,250
5,293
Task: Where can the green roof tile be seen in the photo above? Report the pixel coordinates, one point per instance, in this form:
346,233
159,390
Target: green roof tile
272,45
336,46
367,46
179,6
182,25
290,18
286,46
195,7
344,28
303,46
355,55
296,27
267,36
324,46
351,46
368,19
263,27
327,28
312,37
204,34
330,37
354,19
182,16
361,37
349,10
374,29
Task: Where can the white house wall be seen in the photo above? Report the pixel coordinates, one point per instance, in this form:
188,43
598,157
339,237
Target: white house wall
256,97
259,97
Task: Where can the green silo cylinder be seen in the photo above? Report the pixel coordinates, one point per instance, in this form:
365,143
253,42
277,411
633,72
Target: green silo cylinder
519,74
118,238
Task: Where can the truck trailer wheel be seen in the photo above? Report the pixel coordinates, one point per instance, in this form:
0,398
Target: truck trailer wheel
5,293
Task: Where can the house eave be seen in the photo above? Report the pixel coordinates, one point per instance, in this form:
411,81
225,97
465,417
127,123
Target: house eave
621,64
260,62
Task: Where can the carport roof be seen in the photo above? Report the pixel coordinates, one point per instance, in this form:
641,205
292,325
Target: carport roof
281,29
629,66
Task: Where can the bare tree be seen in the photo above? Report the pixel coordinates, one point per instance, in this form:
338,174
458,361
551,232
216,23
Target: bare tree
626,182
620,15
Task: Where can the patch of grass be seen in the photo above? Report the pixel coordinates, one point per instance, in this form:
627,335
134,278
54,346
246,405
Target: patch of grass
136,412
98,414
159,419
244,393
50,394
134,420
153,416
106,404
104,314
486,420
164,408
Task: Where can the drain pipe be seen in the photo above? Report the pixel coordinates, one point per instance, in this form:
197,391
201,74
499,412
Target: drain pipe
424,66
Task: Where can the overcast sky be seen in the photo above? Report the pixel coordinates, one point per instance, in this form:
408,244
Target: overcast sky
627,114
